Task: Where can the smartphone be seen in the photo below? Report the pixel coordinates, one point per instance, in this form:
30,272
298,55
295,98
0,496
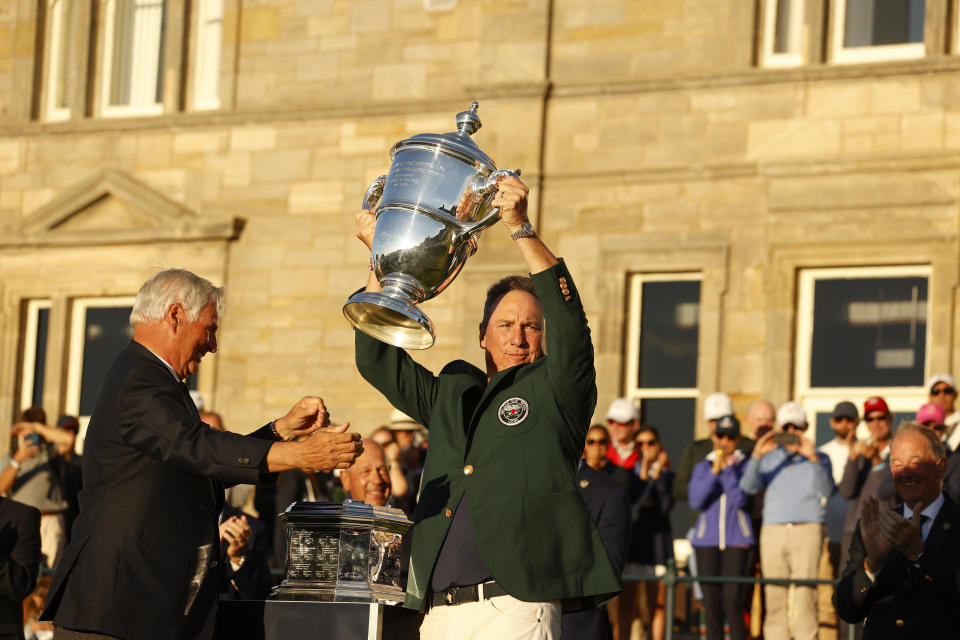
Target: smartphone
786,438
32,439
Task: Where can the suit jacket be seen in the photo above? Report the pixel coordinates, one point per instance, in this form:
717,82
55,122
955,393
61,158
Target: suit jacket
19,563
907,601
513,444
142,561
252,581
609,506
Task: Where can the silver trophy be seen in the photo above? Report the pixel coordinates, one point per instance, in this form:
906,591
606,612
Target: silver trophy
430,211
344,552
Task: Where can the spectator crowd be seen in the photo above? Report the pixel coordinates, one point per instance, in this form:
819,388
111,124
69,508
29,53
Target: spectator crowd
764,502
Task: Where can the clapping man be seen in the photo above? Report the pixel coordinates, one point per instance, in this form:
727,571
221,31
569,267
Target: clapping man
903,576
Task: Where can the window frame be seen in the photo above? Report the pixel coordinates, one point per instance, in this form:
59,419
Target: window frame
771,59
29,350
107,33
58,31
813,399
77,342
634,318
203,47
876,53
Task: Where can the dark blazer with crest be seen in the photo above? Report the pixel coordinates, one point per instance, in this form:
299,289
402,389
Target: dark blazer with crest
609,506
143,555
907,600
512,444
19,563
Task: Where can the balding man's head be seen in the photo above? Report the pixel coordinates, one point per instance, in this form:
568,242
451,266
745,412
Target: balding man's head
368,480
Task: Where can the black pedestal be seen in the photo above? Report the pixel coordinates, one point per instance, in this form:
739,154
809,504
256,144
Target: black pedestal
296,620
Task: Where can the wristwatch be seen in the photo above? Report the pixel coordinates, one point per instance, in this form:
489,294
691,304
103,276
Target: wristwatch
526,231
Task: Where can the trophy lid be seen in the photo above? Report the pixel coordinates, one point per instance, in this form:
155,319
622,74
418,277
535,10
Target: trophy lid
346,512
456,143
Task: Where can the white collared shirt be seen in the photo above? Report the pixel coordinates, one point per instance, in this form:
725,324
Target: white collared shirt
165,363
932,510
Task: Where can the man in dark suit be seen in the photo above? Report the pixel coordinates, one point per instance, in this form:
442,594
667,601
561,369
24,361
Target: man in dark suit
143,559
609,505
904,569
19,563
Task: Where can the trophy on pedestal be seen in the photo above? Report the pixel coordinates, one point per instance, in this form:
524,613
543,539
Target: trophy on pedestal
431,208
344,552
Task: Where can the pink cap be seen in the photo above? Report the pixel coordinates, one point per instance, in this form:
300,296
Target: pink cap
931,413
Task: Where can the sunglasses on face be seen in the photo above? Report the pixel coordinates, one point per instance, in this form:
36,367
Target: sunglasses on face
874,418
646,443
725,436
948,390
936,426
600,441
795,427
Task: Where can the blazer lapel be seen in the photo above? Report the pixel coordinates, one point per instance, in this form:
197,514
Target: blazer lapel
946,524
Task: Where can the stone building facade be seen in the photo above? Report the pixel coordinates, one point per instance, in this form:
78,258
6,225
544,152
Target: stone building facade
753,151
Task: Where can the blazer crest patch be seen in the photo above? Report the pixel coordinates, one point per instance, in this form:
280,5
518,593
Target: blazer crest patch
513,411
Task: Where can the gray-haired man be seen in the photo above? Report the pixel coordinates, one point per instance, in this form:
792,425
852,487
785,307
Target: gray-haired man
142,562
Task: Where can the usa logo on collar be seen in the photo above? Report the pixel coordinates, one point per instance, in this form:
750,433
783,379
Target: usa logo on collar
513,411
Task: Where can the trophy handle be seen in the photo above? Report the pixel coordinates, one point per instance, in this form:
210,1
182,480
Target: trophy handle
374,191
484,189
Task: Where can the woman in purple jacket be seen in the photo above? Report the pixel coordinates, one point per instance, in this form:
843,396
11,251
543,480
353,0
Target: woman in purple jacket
723,537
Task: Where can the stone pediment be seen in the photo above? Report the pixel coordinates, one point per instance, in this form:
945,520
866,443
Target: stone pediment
112,207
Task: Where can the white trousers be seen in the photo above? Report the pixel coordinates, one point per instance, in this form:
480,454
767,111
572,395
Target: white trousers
499,618
52,532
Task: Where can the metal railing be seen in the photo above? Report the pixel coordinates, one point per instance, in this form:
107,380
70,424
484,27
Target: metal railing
672,578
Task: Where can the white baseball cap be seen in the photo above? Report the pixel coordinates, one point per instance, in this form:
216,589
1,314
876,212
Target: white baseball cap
623,410
946,378
717,405
791,413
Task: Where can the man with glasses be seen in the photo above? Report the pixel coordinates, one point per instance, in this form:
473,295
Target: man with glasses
942,391
843,421
866,472
798,481
609,506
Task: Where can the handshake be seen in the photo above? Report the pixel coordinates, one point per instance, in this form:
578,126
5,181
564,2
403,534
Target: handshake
310,441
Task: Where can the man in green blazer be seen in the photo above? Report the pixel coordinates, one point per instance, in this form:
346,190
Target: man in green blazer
502,539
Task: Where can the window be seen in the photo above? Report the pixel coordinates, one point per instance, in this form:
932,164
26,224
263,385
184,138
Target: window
876,30
99,330
662,356
209,35
862,332
783,33
58,46
35,335
133,49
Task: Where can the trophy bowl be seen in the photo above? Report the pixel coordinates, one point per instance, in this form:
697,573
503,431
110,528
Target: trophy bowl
344,552
431,208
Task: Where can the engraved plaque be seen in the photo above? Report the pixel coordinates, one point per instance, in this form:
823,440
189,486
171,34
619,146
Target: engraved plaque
344,552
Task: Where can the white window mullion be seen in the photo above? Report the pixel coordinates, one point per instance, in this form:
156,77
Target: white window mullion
209,37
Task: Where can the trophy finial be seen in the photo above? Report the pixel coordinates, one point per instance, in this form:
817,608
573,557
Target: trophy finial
468,121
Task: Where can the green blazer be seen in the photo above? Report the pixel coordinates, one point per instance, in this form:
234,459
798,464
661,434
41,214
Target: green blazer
513,443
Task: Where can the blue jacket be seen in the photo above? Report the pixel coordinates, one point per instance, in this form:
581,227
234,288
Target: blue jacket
723,521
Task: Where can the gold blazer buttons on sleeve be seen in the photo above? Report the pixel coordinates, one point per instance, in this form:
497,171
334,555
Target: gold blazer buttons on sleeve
242,460
447,512
467,470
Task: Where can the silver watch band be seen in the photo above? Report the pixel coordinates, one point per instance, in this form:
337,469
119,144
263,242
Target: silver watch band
526,231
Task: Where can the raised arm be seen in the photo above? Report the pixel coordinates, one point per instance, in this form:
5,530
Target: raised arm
512,201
